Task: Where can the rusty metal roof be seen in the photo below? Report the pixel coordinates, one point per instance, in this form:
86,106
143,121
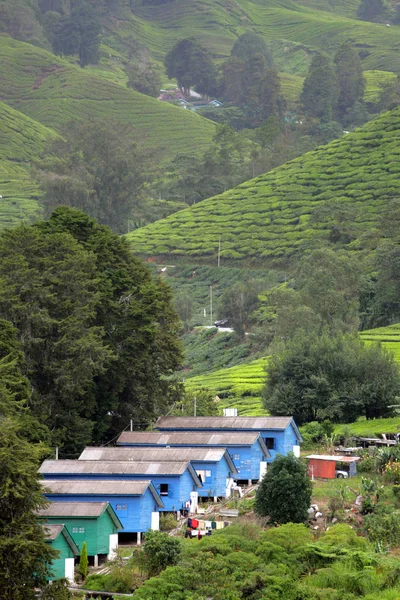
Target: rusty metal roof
159,454
99,487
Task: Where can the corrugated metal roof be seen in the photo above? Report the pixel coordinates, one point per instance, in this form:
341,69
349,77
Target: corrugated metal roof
74,509
98,487
51,532
176,438
151,453
182,437
257,423
346,459
114,467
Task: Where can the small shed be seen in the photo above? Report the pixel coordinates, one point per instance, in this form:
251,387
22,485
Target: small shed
136,503
213,466
280,434
330,467
58,537
174,481
95,523
246,449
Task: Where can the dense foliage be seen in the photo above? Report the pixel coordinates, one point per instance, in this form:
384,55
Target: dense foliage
24,554
97,332
331,377
284,494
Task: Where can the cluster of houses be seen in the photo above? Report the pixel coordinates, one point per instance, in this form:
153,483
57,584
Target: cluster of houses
116,494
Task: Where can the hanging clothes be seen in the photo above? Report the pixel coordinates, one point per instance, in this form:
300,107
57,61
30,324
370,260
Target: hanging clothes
213,525
207,524
195,523
190,521
220,524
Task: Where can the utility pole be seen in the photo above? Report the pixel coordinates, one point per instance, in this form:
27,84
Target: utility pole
195,402
131,425
211,306
219,252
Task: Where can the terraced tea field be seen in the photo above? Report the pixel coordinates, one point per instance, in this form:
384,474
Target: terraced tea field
314,23
21,139
238,387
54,92
270,219
388,337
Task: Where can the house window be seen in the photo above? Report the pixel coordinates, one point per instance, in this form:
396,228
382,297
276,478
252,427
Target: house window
75,530
270,443
236,456
78,530
122,507
163,489
81,530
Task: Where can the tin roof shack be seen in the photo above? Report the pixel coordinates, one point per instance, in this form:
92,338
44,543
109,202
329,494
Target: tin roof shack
280,434
92,522
213,465
58,537
136,503
330,467
173,480
247,449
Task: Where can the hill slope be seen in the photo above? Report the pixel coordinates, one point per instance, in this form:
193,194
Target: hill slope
314,23
53,92
21,139
272,218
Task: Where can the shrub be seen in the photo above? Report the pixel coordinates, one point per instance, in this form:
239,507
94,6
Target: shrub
161,551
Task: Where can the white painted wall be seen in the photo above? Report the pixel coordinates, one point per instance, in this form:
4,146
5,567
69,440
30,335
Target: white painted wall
70,569
263,469
113,545
296,451
155,521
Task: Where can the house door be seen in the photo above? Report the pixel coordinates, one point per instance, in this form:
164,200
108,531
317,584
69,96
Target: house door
263,469
155,521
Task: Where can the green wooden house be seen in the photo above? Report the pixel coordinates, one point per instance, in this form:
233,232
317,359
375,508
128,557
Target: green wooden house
95,523
58,537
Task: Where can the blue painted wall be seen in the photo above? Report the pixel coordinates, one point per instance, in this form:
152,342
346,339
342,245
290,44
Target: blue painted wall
134,512
215,483
283,441
179,486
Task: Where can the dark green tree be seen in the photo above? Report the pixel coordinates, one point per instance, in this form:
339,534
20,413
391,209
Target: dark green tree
237,304
135,312
79,33
98,169
350,78
14,386
331,377
49,293
161,551
191,65
370,9
83,561
284,493
201,400
250,44
24,554
320,89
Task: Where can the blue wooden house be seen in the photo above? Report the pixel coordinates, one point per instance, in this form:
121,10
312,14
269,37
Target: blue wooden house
174,481
280,434
59,538
246,449
136,503
213,466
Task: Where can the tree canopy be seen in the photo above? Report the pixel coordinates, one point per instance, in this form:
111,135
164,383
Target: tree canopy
248,45
97,332
320,89
331,377
24,554
350,78
191,65
284,493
